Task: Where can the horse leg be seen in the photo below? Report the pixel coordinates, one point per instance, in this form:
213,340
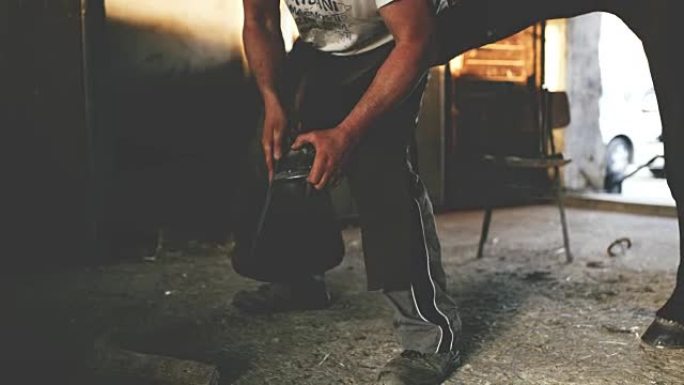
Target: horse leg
658,31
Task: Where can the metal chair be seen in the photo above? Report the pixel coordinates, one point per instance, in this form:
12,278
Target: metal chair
553,111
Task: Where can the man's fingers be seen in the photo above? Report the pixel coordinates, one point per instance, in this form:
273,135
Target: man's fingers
324,180
329,172
269,164
302,140
317,170
267,145
277,144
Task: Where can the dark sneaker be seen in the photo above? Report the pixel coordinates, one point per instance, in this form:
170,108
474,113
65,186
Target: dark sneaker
664,334
278,298
414,368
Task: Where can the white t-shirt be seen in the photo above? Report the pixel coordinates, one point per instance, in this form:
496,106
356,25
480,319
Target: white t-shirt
343,27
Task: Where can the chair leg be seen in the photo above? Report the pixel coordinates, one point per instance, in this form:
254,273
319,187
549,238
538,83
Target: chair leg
485,231
566,237
564,222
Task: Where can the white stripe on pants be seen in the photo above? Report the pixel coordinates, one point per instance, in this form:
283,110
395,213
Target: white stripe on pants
426,318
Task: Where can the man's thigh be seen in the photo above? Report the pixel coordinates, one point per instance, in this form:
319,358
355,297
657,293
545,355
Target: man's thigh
326,87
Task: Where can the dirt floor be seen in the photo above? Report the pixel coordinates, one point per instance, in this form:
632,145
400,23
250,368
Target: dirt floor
528,317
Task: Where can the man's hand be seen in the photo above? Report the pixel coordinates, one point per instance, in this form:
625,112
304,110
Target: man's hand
332,149
275,124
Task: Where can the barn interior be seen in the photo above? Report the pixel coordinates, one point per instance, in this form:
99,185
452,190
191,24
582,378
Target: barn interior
135,131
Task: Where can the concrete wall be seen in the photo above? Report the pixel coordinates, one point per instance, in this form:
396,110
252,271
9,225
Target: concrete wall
180,111
583,143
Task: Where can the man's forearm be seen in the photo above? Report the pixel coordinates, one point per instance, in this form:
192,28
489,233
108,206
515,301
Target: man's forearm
265,54
393,82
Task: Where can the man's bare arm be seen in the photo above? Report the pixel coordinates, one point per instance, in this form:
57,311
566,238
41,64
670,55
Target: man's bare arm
265,52
411,22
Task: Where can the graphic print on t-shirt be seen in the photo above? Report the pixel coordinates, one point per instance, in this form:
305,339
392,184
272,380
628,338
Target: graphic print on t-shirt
324,20
343,27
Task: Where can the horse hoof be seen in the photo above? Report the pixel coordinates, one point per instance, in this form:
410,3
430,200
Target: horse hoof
664,334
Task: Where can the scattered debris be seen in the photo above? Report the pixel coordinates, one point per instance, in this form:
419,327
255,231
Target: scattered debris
550,331
596,265
601,294
621,329
110,360
538,276
619,247
325,358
